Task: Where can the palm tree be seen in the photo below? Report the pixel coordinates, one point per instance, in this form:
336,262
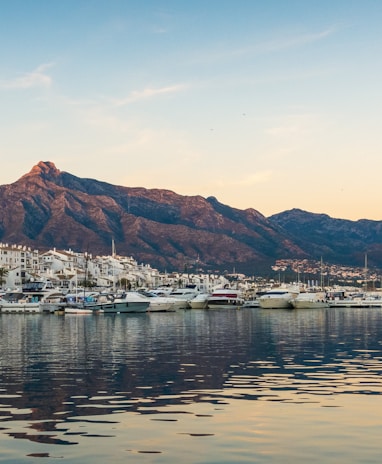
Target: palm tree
3,275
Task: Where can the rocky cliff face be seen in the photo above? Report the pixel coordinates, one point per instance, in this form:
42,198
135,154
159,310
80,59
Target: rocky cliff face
50,208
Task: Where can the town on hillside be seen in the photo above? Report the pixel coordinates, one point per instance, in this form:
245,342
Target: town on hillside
68,270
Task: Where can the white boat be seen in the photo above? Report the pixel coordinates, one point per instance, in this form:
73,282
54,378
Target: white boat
358,300
278,298
79,310
128,302
53,303
183,296
251,303
200,301
226,298
310,300
159,303
74,303
28,299
17,302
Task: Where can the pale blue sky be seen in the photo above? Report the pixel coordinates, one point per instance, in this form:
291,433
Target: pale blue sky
269,105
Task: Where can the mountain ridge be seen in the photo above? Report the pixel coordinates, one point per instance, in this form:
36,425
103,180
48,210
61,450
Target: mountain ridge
341,241
48,207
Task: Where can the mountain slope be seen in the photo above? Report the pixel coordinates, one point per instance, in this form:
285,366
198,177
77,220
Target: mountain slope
336,240
47,208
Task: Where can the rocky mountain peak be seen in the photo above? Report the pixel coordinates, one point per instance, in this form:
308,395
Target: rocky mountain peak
45,169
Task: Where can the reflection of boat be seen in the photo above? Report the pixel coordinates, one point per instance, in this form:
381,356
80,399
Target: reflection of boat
278,298
311,300
225,298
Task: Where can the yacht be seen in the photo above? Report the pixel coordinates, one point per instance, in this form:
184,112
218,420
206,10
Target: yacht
29,298
278,298
310,300
356,300
127,302
200,301
227,298
159,303
251,303
183,296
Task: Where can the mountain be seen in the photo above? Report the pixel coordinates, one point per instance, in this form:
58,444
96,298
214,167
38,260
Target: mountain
338,241
48,208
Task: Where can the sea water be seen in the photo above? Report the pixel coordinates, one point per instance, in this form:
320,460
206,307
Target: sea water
192,386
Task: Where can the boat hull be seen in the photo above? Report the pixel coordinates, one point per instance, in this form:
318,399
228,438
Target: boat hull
200,301
355,304
309,304
223,303
198,304
20,308
121,307
161,304
275,302
81,311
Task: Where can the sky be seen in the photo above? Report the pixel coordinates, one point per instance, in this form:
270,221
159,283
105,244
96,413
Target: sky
270,105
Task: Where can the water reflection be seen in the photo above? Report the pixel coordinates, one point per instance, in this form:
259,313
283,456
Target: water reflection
184,375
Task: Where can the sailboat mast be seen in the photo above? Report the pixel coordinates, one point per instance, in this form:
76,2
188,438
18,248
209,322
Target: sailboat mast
113,258
365,272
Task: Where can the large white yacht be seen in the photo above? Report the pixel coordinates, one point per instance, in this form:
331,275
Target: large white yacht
278,298
159,303
126,302
199,301
29,298
310,300
183,296
227,298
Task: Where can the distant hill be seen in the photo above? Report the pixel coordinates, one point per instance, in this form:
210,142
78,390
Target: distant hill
48,208
338,241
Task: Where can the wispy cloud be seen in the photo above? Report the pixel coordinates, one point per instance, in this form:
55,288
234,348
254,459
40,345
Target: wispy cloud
263,47
291,42
149,93
36,78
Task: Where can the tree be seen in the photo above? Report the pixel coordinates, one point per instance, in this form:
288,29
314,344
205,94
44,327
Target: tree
125,283
3,275
88,282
